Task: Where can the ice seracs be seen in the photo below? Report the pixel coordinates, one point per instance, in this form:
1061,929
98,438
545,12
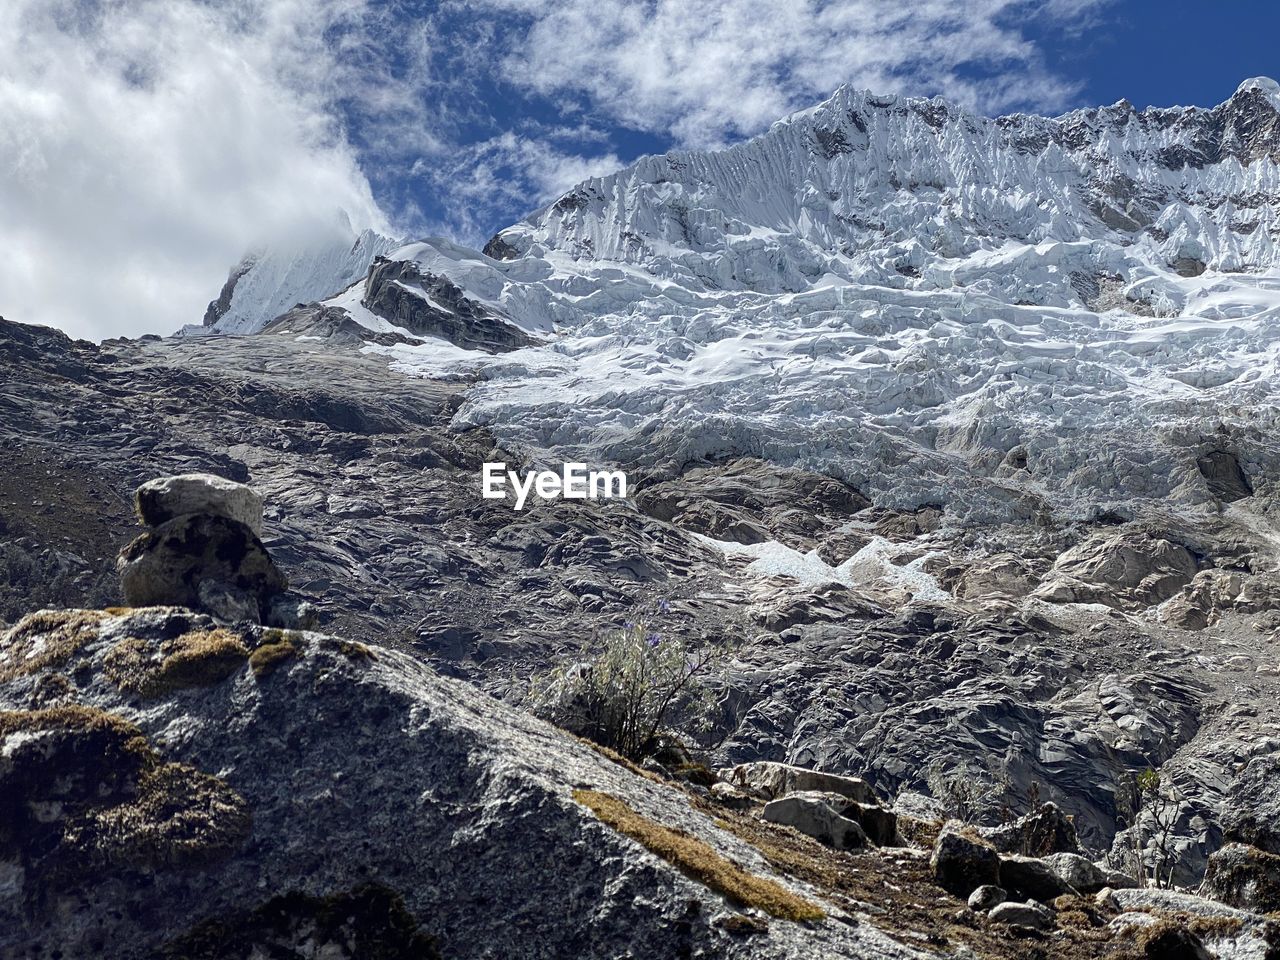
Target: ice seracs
1012,317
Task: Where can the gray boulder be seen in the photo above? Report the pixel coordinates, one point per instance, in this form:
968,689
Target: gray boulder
1031,878
962,862
196,559
818,816
772,780
1078,872
1029,915
165,498
987,896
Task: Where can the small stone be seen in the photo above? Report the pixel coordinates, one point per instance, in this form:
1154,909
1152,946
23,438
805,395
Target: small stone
987,896
1029,915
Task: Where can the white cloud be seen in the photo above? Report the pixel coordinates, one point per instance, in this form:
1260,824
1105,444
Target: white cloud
508,172
707,70
146,144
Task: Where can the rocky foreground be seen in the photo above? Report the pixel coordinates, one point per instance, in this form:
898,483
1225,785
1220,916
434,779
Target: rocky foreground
184,780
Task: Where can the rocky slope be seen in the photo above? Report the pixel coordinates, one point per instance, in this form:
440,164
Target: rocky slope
958,430
181,784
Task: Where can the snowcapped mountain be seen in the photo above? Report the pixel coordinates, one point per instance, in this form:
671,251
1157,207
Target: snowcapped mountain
267,283
1014,317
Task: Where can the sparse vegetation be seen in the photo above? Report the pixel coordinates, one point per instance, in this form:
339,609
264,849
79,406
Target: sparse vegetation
180,818
1149,807
91,795
277,647
44,639
624,697
700,861
197,658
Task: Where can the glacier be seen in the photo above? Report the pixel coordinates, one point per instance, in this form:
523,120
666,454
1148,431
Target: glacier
1016,317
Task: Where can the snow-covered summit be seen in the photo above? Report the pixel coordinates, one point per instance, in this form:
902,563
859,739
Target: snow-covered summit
864,186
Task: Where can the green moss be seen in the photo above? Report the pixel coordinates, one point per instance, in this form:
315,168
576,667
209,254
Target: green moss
355,651
277,647
197,658
47,638
84,794
179,818
698,860
370,922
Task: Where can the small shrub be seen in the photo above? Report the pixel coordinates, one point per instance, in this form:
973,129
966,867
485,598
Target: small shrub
699,860
197,658
277,647
1159,806
626,694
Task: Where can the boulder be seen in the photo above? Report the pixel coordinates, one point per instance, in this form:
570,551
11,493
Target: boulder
771,780
1130,570
160,500
1031,878
987,896
198,558
1029,915
817,815
1243,876
1044,831
962,861
1078,872
351,795
730,796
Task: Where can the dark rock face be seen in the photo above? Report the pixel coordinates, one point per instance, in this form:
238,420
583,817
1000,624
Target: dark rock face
367,923
962,863
431,306
1244,877
1224,476
500,249
218,308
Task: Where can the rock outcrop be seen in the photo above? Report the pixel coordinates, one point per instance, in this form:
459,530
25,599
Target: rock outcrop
305,774
203,550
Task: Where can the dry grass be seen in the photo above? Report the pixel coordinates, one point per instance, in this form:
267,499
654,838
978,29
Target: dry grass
180,818
197,658
277,647
698,860
46,638
614,756
899,890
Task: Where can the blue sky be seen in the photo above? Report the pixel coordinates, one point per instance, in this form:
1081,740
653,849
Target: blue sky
145,145
1044,57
